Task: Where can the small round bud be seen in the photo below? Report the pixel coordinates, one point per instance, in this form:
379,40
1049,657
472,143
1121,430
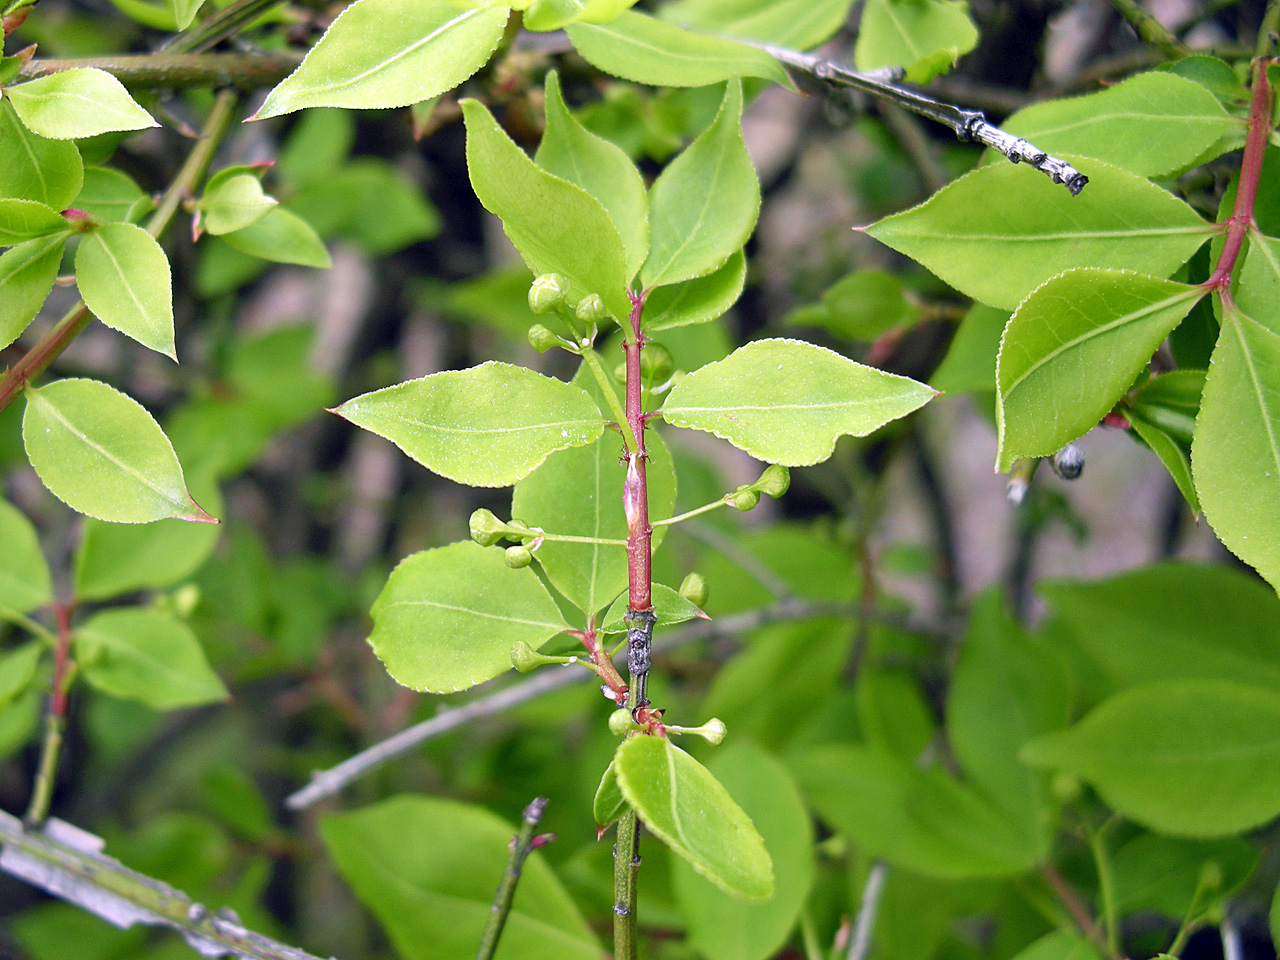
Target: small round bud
1068,463
656,365
620,723
774,481
1211,875
185,599
547,292
486,529
744,498
524,658
1066,787
542,339
694,589
518,556
590,309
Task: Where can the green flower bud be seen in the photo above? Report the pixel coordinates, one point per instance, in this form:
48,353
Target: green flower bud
486,529
542,339
547,292
524,658
744,498
620,723
185,599
694,589
774,481
656,364
590,309
518,556
712,731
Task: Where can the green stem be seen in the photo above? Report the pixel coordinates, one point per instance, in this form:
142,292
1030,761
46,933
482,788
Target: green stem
245,71
55,720
1268,29
705,508
1106,887
26,623
520,849
1150,29
567,538
626,861
218,27
50,346
592,360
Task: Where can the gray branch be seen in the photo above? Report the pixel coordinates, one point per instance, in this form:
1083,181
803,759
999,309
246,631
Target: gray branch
967,124
868,911
68,862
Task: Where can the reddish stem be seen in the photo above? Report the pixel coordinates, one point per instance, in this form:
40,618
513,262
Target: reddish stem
61,661
1255,149
635,494
38,358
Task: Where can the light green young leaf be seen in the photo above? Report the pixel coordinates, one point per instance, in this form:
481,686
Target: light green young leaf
24,576
22,220
148,656
27,273
1193,758
1073,348
799,24
117,558
609,804
427,868
572,152
970,363
1174,455
1258,290
184,11
234,203
1235,456
18,670
1153,124
698,300
102,454
556,226
926,37
488,426
108,195
1174,621
721,928
704,205
1001,231
692,813
281,236
447,618
34,168
579,493
390,53
639,48
124,278
553,14
1163,875
787,402
668,606
76,103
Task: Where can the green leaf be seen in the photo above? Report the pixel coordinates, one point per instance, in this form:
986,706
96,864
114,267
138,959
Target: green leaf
970,363
787,402
282,237
369,203
34,168
698,300
234,203
1073,348
27,273
488,426
102,454
1154,124
1000,664
147,656
799,24
1001,231
428,868
579,493
1163,416
926,37
1195,758
556,226
862,305
24,575
639,48
22,220
609,804
894,714
1060,945
1168,876
721,928
109,196
1258,290
1174,455
447,618
18,670
184,11
704,205
546,15
573,153
390,53
668,605
115,558
923,820
1174,621
76,103
1235,456
689,810
124,278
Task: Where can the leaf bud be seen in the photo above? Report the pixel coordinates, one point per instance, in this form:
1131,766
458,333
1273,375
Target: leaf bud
542,339
774,481
547,292
744,498
518,556
591,309
656,365
524,658
620,723
694,589
486,529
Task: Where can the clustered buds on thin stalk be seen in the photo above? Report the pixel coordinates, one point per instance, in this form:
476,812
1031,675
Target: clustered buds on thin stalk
549,294
774,481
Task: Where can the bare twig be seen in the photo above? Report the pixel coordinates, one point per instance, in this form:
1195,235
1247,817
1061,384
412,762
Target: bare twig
245,71
868,910
68,863
521,846
967,124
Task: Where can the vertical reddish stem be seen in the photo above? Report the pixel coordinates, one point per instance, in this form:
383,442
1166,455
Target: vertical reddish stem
55,721
636,491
